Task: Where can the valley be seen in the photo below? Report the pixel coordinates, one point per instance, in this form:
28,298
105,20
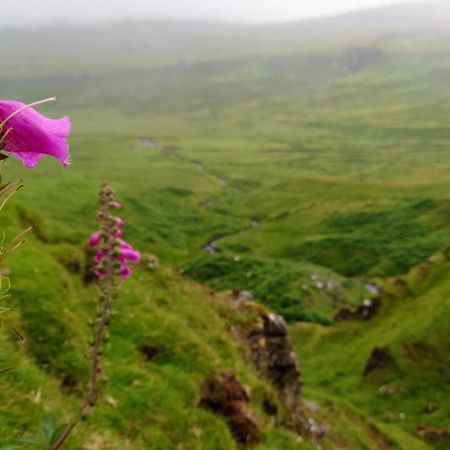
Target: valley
306,163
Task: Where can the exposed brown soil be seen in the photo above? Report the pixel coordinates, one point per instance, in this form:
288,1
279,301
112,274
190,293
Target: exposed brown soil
380,359
224,395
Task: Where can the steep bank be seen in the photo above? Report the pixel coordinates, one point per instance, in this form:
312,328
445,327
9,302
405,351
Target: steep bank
167,337
394,366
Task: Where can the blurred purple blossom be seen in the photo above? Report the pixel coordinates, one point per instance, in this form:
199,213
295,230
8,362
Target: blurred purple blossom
29,135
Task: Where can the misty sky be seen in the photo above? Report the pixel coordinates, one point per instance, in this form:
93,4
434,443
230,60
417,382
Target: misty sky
45,11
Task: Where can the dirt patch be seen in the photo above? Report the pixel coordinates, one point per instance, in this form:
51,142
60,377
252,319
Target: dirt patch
224,395
380,359
149,352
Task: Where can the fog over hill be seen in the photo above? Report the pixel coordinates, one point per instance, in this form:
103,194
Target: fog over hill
250,11
65,57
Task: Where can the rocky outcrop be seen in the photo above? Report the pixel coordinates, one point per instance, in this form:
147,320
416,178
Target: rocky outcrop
438,436
224,395
364,312
273,355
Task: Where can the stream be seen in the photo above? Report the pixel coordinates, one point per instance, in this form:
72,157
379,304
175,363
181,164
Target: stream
212,246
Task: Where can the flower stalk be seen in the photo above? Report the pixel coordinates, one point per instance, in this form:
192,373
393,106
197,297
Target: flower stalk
111,257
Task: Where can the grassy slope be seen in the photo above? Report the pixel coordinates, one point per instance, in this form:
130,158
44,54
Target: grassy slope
341,150
143,404
413,324
148,404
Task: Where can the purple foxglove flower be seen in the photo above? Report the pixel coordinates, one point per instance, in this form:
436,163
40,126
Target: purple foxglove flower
120,222
101,273
99,256
125,272
130,255
29,135
125,244
94,240
118,234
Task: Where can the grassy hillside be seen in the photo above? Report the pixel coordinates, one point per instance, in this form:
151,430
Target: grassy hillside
409,390
144,403
314,156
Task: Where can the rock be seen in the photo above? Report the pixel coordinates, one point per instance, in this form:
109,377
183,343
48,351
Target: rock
388,389
111,401
366,311
273,355
151,262
241,296
275,326
211,247
373,289
380,359
312,406
433,434
316,429
224,395
149,143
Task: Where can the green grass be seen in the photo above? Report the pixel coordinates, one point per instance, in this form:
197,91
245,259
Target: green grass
299,292
414,326
142,403
335,140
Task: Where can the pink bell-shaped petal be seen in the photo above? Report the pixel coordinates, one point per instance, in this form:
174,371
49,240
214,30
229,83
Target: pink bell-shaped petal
99,256
95,239
124,244
101,273
131,255
32,135
125,272
118,233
